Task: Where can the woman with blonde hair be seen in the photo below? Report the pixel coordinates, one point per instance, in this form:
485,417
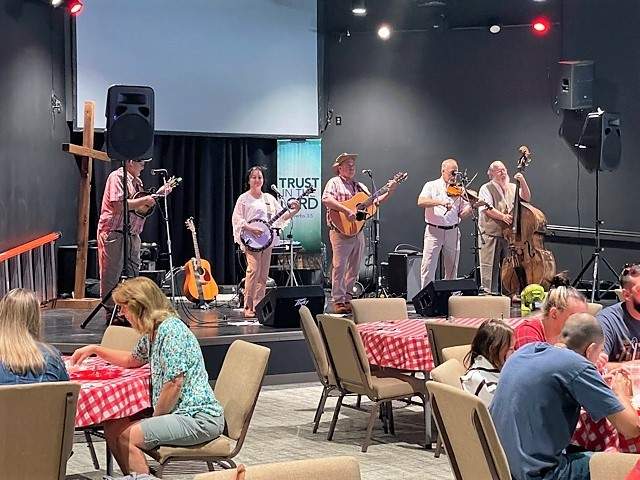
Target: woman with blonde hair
23,357
185,410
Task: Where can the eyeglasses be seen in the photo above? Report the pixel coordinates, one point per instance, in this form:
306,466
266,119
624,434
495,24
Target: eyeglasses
630,270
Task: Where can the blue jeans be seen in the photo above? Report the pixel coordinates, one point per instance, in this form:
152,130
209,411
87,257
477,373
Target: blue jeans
576,467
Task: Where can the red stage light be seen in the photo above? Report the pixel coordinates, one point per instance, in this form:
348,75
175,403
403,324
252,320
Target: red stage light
75,7
541,26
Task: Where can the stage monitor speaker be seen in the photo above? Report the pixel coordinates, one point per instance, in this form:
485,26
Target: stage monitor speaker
575,90
279,307
130,122
433,300
600,143
404,274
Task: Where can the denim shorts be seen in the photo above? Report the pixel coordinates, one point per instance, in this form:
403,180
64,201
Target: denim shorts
181,430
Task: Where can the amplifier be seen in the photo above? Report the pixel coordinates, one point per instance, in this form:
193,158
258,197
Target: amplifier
404,274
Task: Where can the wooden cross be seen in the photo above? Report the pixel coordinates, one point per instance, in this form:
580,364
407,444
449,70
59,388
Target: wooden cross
86,154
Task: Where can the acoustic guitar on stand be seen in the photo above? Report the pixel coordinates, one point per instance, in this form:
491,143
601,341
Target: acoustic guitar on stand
365,207
199,285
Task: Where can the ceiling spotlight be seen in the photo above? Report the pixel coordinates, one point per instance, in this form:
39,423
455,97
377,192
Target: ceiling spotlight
358,7
384,31
56,3
495,28
541,26
75,7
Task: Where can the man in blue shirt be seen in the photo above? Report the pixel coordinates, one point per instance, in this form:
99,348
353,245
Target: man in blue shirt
621,322
537,403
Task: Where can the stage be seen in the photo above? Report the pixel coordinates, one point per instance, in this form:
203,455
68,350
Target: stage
215,330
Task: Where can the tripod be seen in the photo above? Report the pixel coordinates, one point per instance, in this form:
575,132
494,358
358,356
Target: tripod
597,255
125,253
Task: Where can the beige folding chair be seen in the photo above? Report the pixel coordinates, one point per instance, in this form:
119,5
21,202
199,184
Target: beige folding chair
458,352
483,306
612,466
443,335
468,434
331,468
318,350
117,338
237,389
448,373
349,362
593,308
37,423
367,310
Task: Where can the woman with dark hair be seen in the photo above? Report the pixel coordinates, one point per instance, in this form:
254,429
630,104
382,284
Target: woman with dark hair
252,204
490,348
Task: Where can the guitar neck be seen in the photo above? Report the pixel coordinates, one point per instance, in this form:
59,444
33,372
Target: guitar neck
284,210
372,198
195,246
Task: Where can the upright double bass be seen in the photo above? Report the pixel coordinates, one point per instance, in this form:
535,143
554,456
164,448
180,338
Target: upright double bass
528,261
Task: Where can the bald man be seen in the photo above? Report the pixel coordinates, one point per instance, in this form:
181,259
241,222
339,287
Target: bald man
499,194
442,214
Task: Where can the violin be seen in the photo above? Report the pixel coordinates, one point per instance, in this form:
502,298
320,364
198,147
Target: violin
458,189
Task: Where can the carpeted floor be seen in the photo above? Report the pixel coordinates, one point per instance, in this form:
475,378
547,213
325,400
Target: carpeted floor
281,430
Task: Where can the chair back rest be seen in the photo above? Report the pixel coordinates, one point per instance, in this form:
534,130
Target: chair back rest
458,352
37,424
331,468
317,347
449,373
238,385
120,338
485,306
609,466
443,335
593,308
367,310
347,356
468,434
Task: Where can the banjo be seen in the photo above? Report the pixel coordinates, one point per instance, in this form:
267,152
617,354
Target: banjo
257,243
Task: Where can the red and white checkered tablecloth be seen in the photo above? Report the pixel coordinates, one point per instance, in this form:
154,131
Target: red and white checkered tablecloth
404,344
119,397
602,436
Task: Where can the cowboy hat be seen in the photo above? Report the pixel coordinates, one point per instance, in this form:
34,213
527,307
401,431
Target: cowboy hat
343,157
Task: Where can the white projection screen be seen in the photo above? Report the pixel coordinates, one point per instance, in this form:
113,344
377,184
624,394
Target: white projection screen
237,67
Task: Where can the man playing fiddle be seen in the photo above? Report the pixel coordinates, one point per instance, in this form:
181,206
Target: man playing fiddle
442,214
499,195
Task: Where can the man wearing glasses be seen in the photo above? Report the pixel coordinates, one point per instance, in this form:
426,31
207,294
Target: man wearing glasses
442,215
621,322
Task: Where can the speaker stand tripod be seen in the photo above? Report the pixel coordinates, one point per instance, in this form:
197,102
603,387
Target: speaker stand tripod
125,255
596,256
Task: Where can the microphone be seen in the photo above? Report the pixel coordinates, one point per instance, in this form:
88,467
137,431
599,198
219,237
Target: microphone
275,190
366,171
159,171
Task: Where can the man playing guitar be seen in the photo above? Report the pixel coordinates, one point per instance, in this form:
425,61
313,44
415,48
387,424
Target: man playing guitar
110,225
347,250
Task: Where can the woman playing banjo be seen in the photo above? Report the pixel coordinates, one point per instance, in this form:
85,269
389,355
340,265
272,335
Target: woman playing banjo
254,204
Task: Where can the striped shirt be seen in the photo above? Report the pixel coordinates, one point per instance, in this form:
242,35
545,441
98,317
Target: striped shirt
341,190
111,216
481,379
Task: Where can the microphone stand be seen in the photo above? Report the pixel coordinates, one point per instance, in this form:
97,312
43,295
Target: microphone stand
291,281
478,238
165,215
375,234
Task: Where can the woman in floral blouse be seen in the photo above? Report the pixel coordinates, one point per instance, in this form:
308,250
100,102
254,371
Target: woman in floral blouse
185,410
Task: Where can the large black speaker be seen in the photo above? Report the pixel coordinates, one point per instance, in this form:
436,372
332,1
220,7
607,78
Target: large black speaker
575,89
600,143
404,274
433,300
130,122
279,307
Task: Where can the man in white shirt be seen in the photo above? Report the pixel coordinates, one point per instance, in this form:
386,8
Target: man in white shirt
442,215
499,194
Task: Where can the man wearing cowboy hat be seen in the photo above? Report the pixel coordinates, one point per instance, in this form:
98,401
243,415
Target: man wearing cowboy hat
110,226
347,251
